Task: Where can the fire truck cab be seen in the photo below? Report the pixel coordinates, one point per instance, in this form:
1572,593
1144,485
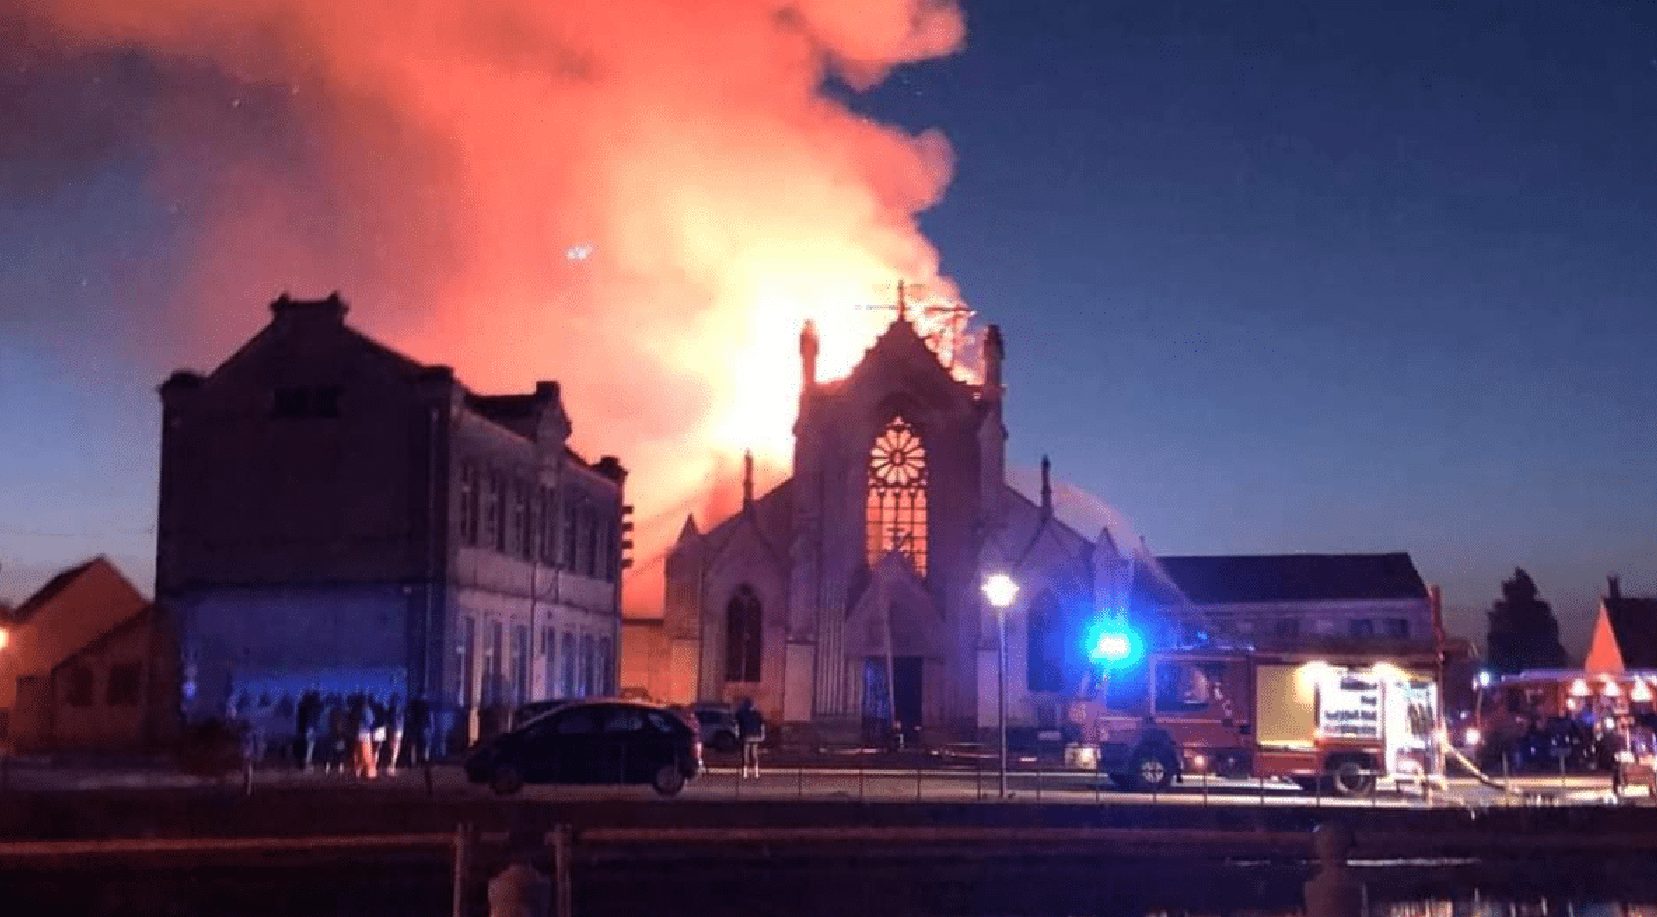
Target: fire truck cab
1341,723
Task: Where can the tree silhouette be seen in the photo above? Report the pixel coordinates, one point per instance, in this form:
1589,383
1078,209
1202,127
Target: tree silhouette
1523,631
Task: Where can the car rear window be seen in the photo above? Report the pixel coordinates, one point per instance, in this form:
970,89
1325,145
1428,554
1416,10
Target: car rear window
658,722
708,716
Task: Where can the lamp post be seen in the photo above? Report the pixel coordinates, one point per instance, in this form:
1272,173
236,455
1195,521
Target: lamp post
1000,590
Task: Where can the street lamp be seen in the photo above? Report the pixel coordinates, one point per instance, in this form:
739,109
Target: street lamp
1000,590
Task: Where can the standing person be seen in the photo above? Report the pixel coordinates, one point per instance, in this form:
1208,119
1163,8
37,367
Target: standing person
750,727
419,723
339,732
378,713
395,722
362,726
307,719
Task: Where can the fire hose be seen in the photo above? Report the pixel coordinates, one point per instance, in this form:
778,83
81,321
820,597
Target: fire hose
1479,775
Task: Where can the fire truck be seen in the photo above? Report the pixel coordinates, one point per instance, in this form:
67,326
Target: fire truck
1332,722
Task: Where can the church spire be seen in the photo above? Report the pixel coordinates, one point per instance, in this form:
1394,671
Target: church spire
748,480
903,305
994,352
808,354
1046,486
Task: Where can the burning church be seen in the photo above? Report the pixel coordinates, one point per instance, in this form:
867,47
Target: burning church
846,600
847,597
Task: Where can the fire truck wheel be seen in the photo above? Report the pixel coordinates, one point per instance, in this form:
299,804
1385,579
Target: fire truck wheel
1351,778
1153,769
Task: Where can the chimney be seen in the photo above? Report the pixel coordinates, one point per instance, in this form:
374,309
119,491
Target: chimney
808,355
332,307
1046,486
1613,587
748,480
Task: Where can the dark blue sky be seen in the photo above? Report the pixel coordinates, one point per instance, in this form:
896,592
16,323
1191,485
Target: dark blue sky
1275,276
1324,276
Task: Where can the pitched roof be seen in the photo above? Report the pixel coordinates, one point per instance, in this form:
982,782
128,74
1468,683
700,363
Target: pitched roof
1634,623
1249,578
53,588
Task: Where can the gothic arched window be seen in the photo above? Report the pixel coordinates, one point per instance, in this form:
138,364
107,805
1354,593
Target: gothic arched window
1044,652
896,511
743,643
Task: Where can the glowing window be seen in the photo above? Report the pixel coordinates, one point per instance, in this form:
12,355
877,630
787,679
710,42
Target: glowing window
896,512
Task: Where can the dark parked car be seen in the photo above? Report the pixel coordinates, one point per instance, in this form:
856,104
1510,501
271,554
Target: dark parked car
592,742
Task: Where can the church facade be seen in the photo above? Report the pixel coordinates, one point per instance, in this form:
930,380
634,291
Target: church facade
847,598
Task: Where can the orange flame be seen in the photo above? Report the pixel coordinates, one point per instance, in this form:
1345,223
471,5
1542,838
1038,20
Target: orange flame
642,198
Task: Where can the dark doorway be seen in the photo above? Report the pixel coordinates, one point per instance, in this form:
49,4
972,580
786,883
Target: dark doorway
906,696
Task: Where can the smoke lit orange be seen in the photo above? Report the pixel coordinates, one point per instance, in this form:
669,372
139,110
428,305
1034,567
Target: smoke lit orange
644,199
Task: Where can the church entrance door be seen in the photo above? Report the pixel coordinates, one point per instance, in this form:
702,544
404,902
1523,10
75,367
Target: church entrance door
885,709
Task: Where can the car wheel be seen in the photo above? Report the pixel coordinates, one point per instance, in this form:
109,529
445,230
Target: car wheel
725,742
1351,778
506,780
1153,770
669,780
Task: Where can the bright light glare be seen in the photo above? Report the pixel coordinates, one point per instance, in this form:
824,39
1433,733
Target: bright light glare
5,637
1484,678
1472,736
1000,590
1113,647
1113,643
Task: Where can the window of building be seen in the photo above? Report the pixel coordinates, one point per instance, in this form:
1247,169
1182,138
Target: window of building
520,664
469,503
466,649
1286,627
495,522
744,640
78,687
547,512
1361,627
126,685
568,540
523,522
587,654
606,667
568,648
1044,649
494,673
549,650
589,564
1398,628
325,401
289,402
612,548
896,513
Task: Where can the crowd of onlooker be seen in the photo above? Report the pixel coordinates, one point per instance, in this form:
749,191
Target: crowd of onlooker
360,733
1586,741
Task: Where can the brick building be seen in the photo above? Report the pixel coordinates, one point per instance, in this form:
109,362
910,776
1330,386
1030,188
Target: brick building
334,514
89,665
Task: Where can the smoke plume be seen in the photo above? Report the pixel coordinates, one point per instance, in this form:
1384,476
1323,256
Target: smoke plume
641,198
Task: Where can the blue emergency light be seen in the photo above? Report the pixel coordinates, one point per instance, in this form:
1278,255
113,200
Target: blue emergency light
1113,644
